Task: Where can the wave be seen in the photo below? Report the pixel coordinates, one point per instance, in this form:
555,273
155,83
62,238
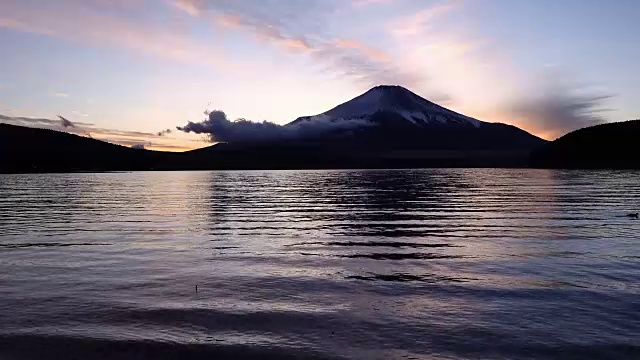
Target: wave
38,347
400,277
47,244
393,244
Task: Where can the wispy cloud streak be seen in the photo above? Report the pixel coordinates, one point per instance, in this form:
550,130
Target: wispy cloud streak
478,77
554,108
280,23
365,3
122,137
84,22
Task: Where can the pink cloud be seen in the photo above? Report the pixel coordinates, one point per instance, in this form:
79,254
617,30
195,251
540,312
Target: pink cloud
263,32
191,7
296,44
122,137
228,21
342,56
484,82
364,3
369,51
414,24
80,22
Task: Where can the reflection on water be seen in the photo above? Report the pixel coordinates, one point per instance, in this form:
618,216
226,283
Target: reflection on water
462,263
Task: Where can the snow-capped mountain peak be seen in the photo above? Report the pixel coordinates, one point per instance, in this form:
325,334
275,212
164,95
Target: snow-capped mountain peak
388,99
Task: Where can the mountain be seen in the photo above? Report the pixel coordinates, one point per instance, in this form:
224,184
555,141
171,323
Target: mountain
386,127
397,100
389,126
393,117
605,146
24,149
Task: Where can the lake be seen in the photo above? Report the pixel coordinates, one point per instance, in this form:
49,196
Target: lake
398,264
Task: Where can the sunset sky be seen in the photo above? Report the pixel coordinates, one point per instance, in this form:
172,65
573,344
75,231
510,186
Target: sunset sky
124,70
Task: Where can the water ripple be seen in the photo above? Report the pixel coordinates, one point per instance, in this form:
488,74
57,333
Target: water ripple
420,264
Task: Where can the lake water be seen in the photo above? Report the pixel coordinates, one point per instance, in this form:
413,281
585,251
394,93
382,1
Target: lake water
415,264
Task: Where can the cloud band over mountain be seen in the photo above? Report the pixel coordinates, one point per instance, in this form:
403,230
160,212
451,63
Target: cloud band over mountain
219,128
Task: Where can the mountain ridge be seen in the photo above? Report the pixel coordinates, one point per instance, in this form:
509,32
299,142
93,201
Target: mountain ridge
386,127
393,98
25,149
395,118
604,146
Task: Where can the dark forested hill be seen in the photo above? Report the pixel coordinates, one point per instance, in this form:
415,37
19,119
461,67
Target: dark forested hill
24,149
605,146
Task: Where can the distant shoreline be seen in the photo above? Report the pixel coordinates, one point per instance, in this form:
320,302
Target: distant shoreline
608,147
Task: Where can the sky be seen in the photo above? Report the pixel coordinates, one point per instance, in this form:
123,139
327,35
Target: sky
126,71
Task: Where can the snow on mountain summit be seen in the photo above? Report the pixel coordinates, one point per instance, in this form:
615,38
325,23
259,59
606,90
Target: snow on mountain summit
394,100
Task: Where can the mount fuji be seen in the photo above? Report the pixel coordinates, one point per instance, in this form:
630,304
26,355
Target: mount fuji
396,100
394,117
386,127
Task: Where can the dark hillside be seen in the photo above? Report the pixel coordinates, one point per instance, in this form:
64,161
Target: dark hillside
605,146
24,149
